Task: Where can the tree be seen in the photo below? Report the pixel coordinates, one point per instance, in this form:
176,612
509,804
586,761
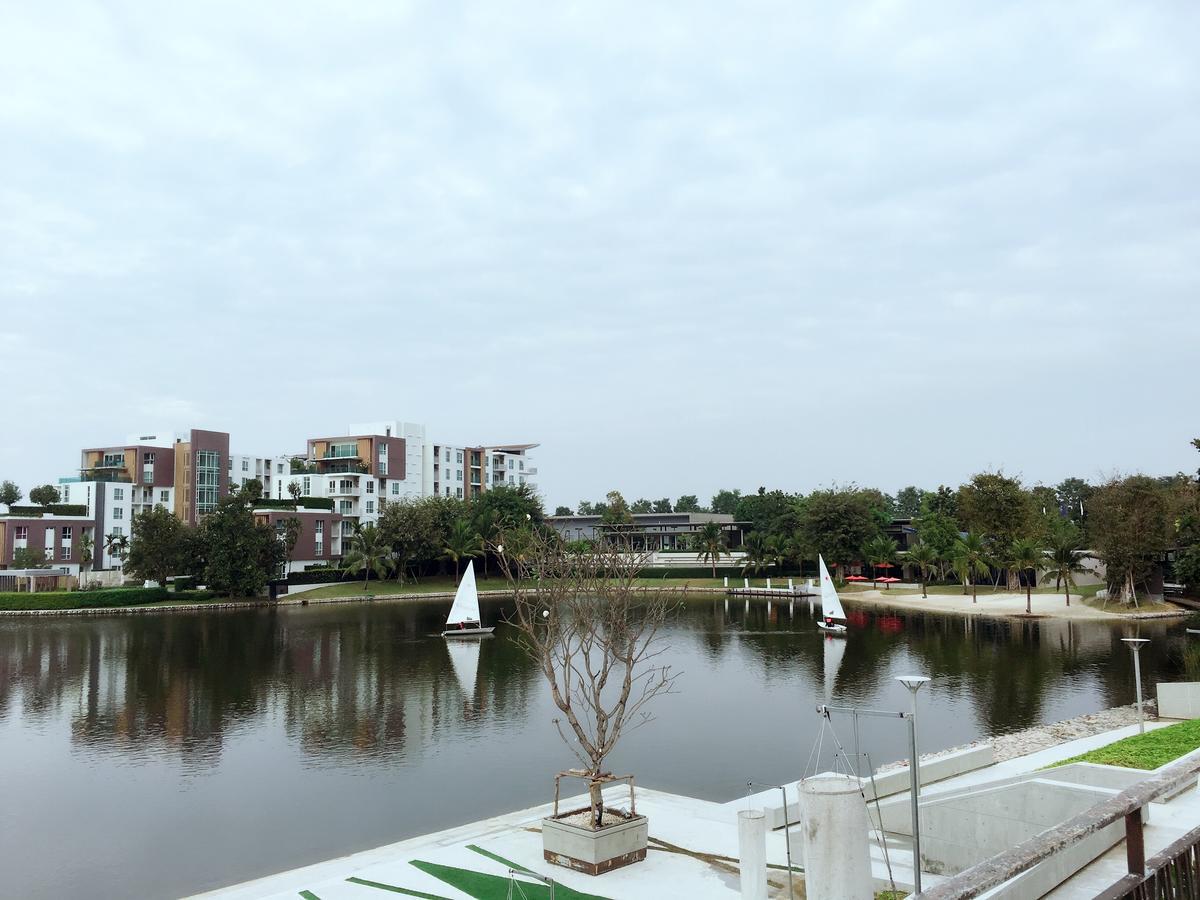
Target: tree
241,554
416,531
1130,531
116,545
616,510
935,526
585,508
710,540
924,559
970,560
251,492
725,502
837,524
688,503
87,546
461,543
757,554
290,536
640,506
995,506
293,489
1074,495
10,494
44,494
1187,569
1065,560
909,501
879,551
30,558
510,505
1025,556
598,642
663,505
771,512
156,548
369,553
563,511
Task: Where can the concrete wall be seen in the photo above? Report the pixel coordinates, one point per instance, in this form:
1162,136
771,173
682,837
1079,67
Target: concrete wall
1179,700
894,780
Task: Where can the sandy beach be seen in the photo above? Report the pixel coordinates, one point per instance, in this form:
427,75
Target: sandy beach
998,604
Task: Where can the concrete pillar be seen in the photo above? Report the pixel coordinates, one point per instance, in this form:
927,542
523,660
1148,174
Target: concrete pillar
768,584
837,860
752,851
746,583
726,581
791,587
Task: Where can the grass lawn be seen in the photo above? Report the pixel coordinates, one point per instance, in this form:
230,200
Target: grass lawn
942,590
1145,751
439,583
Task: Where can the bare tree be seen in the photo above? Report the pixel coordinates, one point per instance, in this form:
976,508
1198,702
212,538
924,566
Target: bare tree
595,634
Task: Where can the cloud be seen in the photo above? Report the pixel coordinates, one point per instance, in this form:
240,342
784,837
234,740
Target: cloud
702,234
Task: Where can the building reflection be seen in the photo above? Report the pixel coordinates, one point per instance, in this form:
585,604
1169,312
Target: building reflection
358,682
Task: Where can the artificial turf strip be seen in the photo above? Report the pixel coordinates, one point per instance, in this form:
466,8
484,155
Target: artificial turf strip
1145,751
408,892
309,895
500,859
482,886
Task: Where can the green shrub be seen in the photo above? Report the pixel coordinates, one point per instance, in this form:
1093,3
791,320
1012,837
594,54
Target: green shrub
58,509
310,502
83,599
184,583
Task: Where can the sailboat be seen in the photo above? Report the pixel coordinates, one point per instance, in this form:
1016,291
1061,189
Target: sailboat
463,620
833,617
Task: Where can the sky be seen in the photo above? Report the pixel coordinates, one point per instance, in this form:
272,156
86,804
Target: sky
683,246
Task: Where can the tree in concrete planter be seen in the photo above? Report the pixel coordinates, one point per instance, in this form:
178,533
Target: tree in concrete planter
597,639
10,494
156,548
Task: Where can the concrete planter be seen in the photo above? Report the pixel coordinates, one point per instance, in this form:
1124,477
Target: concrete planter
595,852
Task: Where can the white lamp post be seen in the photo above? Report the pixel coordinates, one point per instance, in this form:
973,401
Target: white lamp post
914,684
1135,644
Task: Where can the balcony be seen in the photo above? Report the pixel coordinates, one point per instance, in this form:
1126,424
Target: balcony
330,454
99,474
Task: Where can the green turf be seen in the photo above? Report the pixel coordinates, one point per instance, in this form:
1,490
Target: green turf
379,885
508,863
483,886
1145,751
309,895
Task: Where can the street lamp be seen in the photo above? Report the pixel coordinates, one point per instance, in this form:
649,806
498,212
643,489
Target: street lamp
914,684
1135,644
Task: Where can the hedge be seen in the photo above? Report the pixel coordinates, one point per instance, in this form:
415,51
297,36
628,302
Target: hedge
97,599
320,576
58,509
310,502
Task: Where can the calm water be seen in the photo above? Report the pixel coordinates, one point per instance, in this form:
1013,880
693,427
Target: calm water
160,755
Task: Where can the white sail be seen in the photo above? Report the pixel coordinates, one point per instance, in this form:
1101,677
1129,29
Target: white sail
464,659
831,604
835,649
466,600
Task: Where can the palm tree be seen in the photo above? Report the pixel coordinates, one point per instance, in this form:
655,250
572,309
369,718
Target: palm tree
755,548
777,551
369,553
1026,555
1065,559
87,544
461,543
970,561
710,541
116,544
879,551
924,558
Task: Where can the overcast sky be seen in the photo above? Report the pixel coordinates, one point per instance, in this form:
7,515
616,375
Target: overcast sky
683,246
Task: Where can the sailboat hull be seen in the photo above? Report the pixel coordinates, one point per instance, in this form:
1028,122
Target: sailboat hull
467,632
835,628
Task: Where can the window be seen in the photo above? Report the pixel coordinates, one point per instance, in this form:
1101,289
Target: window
306,486
118,512
448,456
147,495
208,480
50,542
164,496
319,527
346,450
245,465
458,474
395,488
279,469
459,493
345,507
118,530
370,507
370,485
510,479
459,457
64,552
20,532
66,533
147,459
113,461
522,465
510,464
118,493
319,547
447,490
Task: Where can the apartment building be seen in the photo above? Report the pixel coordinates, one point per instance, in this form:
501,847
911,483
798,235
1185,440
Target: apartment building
189,472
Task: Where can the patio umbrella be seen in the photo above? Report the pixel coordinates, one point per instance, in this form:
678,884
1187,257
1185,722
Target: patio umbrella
856,578
889,581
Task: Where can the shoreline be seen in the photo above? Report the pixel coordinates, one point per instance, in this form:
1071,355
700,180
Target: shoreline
991,605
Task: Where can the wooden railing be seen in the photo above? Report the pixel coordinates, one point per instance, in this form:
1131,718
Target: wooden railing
1176,865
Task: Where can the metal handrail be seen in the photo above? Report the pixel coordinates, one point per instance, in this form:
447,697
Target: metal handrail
1126,805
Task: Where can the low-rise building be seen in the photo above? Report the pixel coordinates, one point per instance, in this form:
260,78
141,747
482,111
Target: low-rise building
651,532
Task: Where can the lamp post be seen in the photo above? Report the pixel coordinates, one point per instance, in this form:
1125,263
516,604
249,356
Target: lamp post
1135,644
914,684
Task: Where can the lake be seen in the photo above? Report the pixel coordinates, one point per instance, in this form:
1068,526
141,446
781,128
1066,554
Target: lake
164,754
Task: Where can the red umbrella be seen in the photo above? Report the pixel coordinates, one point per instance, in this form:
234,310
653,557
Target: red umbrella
856,578
883,565
889,581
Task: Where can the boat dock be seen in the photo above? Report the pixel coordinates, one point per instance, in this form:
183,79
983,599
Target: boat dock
791,591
